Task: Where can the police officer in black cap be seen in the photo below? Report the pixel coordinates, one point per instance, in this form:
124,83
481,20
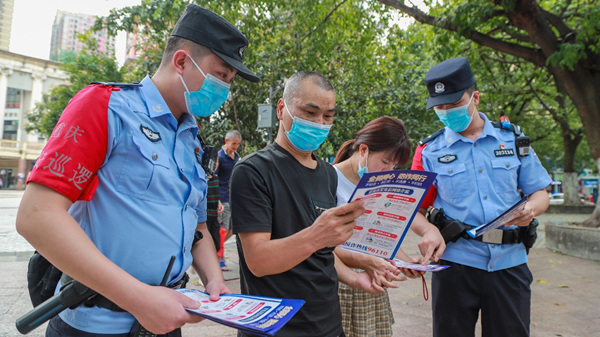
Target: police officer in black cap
128,193
479,173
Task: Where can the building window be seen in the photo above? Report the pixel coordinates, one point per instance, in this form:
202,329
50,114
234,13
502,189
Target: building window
13,98
10,130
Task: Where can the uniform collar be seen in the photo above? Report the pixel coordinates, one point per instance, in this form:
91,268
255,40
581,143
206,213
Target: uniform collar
155,103
157,107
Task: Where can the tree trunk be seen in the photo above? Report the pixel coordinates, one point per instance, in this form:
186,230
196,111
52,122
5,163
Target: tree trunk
570,188
594,219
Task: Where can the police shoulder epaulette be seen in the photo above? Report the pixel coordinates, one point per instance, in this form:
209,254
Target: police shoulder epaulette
517,130
121,85
431,137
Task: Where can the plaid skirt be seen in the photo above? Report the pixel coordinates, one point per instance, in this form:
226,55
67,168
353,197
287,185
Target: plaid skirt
365,315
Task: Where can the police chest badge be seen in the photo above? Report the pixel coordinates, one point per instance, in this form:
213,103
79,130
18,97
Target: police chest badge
151,135
447,159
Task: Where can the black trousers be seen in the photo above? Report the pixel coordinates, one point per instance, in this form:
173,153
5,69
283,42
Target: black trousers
460,292
58,328
212,223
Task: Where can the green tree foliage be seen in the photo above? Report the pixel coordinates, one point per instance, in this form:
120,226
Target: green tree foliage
82,68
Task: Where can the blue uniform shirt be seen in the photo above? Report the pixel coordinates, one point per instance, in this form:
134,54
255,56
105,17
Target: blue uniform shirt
151,196
476,182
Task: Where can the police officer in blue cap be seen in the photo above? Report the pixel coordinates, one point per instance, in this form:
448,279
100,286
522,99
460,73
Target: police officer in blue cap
123,187
480,170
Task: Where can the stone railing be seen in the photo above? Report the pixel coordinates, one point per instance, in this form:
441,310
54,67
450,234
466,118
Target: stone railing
15,149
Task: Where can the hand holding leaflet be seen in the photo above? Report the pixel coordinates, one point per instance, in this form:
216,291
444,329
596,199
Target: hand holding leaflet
258,315
419,267
502,219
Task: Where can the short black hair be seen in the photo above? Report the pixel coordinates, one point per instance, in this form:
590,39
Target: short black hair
470,90
175,43
292,85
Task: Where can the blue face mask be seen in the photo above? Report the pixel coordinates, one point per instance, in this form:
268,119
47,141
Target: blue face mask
209,98
362,170
456,119
306,135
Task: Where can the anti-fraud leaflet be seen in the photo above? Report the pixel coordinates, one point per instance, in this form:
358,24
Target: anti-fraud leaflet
502,219
420,267
254,314
391,200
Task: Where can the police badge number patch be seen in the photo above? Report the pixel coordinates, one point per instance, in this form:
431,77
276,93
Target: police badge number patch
151,135
447,159
504,153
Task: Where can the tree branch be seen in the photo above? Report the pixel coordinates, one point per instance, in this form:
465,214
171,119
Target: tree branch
325,19
519,37
532,55
559,24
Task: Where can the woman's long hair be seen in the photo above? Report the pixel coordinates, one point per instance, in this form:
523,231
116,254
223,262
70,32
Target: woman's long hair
386,134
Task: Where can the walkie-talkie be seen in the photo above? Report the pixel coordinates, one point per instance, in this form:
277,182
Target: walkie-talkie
137,330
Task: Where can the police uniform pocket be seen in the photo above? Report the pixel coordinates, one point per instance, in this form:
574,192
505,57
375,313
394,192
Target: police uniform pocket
505,171
453,181
141,176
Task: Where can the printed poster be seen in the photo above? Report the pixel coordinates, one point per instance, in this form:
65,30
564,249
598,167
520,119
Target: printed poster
391,200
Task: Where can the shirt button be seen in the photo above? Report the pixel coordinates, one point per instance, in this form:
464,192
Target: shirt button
507,165
154,156
480,170
475,145
485,197
186,207
493,245
492,266
449,171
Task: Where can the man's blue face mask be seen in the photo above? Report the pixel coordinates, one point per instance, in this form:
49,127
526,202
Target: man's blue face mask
456,119
306,135
209,98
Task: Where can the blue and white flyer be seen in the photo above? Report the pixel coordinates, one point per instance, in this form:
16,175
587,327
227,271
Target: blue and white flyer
501,220
420,267
258,315
391,200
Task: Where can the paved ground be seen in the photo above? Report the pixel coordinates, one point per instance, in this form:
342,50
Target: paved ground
566,296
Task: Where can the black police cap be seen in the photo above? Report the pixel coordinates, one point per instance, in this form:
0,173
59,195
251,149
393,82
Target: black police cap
447,81
207,28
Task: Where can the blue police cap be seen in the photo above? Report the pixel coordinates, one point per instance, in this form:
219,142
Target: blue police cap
447,81
207,28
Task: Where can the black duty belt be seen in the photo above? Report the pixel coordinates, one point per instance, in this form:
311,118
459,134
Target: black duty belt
497,236
103,302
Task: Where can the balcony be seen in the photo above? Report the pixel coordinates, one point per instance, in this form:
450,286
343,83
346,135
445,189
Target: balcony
15,149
